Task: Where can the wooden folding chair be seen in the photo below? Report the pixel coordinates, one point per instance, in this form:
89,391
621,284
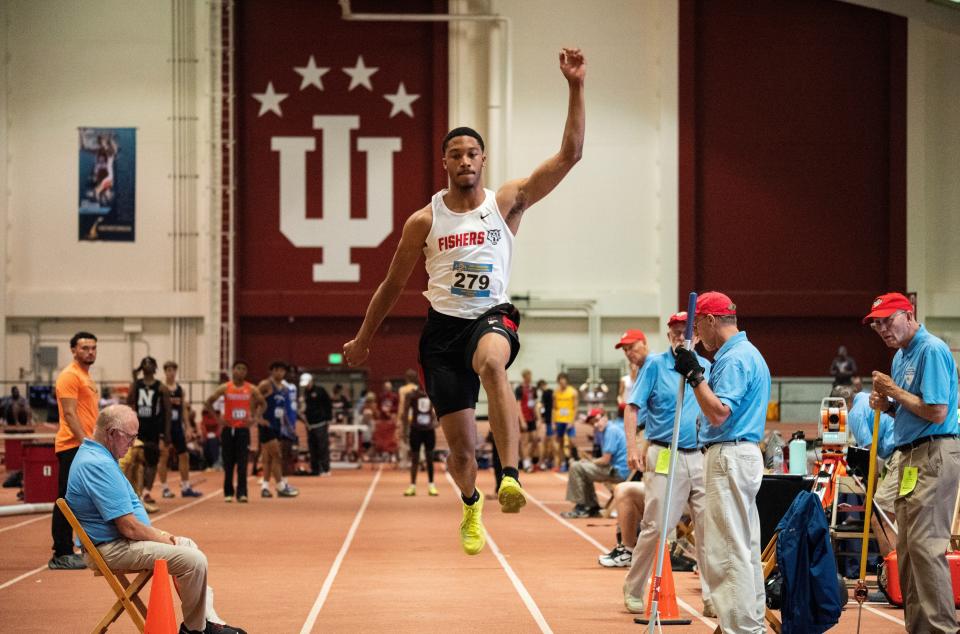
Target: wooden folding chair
125,590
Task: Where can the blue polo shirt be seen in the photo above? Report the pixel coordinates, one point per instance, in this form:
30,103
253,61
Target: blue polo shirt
860,422
98,492
655,395
925,368
615,444
741,380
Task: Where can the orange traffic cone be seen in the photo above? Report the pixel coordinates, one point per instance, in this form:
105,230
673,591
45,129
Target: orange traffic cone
669,612
161,619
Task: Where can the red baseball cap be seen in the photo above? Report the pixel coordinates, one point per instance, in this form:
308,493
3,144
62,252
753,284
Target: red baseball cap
715,303
596,412
631,337
677,318
886,305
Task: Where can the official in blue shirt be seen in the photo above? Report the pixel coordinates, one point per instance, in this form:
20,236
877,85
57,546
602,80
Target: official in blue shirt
921,395
611,466
734,403
654,398
860,423
112,515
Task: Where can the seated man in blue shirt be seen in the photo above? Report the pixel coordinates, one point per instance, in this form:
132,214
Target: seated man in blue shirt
611,466
113,516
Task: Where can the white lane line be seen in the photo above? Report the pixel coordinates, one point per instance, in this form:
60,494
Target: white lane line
25,522
878,613
155,519
514,579
24,576
335,568
683,604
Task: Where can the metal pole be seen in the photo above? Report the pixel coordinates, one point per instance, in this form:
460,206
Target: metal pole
662,543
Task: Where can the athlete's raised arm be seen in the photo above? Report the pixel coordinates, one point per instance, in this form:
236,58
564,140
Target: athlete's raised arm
515,196
415,232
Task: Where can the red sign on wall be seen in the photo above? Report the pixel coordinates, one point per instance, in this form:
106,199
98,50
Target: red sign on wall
339,124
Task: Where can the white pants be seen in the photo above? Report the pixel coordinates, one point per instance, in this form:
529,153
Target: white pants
688,488
731,565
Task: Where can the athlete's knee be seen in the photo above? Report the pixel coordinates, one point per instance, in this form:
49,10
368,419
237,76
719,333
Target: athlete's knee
491,370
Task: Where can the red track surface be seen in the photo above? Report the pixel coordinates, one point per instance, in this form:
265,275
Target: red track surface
278,565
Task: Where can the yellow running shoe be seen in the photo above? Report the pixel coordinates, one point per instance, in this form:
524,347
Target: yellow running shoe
432,490
472,536
411,490
511,495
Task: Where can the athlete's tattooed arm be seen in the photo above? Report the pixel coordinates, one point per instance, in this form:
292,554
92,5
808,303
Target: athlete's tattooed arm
516,196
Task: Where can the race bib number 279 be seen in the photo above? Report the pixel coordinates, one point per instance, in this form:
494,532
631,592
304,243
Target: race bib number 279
471,279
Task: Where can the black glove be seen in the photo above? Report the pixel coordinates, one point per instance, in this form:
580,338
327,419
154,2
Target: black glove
688,366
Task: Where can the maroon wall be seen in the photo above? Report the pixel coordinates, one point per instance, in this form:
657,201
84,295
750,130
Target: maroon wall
793,170
283,311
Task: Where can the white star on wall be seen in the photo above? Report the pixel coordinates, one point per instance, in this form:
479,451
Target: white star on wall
401,101
269,100
311,74
360,74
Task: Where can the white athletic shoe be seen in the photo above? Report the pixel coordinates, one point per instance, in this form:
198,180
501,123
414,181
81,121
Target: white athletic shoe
619,557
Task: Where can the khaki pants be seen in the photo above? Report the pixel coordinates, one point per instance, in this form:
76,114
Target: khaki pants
924,518
583,473
184,561
731,565
889,485
688,488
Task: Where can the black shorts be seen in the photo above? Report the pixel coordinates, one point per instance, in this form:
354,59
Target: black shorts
531,426
177,439
426,438
447,345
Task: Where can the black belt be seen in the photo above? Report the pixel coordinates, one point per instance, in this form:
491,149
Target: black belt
660,443
737,441
922,441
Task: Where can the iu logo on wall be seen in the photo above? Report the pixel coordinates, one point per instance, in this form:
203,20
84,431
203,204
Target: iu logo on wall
337,123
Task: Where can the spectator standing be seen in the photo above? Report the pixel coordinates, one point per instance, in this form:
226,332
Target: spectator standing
734,404
545,407
78,403
921,394
341,406
843,368
422,434
403,420
565,400
243,405
526,395
318,411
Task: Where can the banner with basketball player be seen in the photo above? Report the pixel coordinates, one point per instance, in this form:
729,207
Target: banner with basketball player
107,175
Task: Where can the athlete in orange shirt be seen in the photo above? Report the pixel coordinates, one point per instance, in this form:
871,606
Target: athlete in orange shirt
243,405
78,402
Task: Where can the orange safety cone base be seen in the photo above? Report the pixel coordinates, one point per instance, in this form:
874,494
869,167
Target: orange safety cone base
667,605
161,619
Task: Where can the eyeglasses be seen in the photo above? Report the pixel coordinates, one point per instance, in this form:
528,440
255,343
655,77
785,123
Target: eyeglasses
126,435
883,324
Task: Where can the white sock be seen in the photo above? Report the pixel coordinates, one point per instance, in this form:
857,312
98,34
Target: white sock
283,483
629,549
211,614
264,485
184,485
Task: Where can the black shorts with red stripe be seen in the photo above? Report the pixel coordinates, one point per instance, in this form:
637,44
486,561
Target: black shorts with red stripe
447,345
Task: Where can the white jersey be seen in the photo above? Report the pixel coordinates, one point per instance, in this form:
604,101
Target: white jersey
468,258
